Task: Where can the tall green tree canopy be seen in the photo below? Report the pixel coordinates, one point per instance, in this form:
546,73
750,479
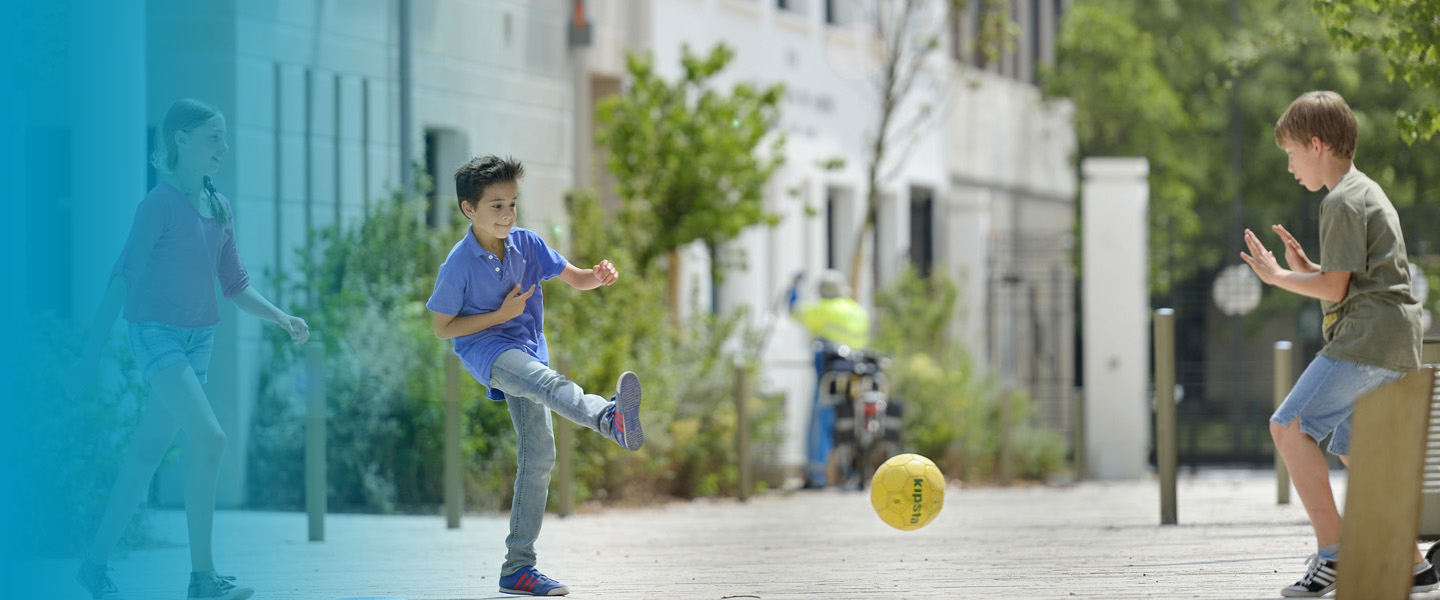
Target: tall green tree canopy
687,158
1195,86
1406,34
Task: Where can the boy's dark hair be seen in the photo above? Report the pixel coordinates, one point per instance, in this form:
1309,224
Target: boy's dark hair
1319,114
475,175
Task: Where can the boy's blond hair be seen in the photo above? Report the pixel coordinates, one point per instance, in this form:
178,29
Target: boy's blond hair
1321,114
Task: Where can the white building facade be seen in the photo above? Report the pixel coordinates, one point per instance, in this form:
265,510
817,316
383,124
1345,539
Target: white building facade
312,91
984,193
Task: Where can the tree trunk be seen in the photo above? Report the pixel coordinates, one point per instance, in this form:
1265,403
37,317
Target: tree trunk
672,286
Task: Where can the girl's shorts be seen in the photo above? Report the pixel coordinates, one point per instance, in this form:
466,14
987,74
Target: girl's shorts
1324,397
157,346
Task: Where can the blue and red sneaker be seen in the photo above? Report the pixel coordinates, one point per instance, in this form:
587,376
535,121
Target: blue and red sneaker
625,413
529,582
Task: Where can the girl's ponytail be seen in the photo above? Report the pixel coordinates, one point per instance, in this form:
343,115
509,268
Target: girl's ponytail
217,207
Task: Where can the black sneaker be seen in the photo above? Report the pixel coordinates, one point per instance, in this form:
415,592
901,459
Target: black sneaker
210,586
1319,579
1426,579
93,578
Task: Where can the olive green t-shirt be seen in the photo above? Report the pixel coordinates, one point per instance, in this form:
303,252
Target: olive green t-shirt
1378,321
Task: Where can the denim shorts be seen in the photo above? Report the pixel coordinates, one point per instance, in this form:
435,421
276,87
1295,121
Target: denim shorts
157,346
1324,397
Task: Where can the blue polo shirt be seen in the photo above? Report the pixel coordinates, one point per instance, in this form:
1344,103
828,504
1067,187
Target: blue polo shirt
473,280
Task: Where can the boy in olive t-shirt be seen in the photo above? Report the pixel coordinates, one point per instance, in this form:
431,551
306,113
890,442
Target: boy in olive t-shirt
1371,326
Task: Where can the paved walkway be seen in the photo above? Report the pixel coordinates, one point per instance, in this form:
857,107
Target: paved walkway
1091,540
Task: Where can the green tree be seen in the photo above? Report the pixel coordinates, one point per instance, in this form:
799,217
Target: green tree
1406,34
688,159
1196,87
904,40
908,90
1126,105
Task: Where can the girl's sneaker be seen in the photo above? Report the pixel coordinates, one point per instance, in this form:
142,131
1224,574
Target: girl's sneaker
529,582
93,578
210,586
625,413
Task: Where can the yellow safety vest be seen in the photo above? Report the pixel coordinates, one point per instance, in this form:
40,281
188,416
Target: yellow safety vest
840,320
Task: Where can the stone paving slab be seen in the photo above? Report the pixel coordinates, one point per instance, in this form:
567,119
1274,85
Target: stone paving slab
1089,540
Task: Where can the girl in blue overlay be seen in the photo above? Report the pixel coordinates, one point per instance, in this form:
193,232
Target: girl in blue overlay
181,243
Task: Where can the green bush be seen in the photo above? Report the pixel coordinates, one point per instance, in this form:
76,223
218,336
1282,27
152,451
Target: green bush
384,375
73,449
953,411
688,375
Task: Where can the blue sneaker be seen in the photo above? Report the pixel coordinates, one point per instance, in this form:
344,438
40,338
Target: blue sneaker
529,582
625,413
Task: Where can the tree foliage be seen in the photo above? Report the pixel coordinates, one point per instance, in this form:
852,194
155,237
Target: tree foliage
1196,87
687,158
1406,34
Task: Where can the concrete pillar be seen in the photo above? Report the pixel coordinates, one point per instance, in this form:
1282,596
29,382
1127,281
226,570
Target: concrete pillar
1115,227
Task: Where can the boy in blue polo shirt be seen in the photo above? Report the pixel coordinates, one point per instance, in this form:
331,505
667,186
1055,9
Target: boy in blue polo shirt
486,300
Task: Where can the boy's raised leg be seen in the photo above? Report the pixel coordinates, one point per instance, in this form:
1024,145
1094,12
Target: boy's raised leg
519,374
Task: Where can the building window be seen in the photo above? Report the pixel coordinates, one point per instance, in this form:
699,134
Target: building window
445,150
434,212
837,12
922,230
1037,37
840,227
791,6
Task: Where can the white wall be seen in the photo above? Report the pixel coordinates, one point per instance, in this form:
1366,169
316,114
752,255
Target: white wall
828,112
1117,315
310,89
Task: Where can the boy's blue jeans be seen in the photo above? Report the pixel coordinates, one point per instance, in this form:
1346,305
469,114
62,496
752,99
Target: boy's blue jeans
532,390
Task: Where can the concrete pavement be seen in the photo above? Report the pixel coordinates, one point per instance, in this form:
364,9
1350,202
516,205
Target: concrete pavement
1090,540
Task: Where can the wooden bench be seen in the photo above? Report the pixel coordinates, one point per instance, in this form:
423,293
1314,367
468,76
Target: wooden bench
1430,481
1395,446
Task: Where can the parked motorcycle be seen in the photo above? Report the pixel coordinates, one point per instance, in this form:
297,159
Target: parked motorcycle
867,419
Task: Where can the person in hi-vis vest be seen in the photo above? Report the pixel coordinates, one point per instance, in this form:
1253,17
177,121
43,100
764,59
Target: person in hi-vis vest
838,319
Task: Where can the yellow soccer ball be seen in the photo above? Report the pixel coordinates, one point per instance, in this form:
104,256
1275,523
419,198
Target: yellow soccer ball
907,491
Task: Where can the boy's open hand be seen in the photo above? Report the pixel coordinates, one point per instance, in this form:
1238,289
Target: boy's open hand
1294,254
605,273
515,302
1262,261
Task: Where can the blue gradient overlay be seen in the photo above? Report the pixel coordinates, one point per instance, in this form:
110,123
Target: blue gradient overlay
85,82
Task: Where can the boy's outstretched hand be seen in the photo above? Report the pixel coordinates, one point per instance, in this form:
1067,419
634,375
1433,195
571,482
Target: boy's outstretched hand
605,273
1294,254
1262,261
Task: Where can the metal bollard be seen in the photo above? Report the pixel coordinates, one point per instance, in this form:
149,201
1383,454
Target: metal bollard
742,433
1282,389
1165,459
315,486
454,491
